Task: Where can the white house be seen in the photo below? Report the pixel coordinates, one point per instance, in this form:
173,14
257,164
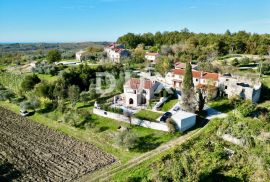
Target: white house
116,51
79,55
151,56
176,76
139,91
184,120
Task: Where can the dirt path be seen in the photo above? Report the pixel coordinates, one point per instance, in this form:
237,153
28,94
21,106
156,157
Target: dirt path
107,174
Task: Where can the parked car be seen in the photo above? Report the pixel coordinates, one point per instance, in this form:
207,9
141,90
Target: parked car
176,108
166,116
24,113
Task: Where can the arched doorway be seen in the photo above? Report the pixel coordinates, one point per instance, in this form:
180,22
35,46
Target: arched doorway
131,101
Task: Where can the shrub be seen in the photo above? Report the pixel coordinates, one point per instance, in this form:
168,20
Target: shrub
45,68
6,95
127,139
265,68
171,125
265,117
247,108
30,104
44,89
235,62
61,106
29,82
107,107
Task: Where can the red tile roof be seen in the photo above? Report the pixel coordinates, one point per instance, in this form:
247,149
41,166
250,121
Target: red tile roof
198,74
135,83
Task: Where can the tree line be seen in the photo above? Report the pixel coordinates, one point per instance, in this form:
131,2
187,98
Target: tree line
240,42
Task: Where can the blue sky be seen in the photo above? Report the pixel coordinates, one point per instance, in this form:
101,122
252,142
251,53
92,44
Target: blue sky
105,20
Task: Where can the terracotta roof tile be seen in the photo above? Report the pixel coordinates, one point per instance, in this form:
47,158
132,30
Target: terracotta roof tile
198,74
135,83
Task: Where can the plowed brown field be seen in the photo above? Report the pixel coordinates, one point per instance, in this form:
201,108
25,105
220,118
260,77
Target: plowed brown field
32,152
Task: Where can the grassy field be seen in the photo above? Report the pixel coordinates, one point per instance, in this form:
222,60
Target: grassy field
148,115
266,81
168,105
103,133
206,157
222,105
48,78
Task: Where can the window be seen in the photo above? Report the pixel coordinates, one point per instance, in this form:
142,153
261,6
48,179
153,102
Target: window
197,79
227,80
226,87
134,91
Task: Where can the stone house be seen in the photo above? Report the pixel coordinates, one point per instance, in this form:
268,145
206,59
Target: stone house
230,85
116,51
139,91
240,86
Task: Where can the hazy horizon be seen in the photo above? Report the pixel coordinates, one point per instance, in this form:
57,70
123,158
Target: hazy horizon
63,21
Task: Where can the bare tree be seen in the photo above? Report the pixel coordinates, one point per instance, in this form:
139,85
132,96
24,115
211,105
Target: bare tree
128,114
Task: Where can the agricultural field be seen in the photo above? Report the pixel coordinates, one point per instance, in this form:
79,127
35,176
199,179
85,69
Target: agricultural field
32,152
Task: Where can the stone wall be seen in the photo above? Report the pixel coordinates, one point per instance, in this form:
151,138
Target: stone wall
134,121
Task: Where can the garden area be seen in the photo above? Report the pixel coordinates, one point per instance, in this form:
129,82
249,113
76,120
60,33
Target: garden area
148,115
168,105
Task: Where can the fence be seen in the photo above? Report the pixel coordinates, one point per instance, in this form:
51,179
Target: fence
134,121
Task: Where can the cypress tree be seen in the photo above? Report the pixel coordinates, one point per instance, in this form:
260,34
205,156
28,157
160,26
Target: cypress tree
188,78
189,102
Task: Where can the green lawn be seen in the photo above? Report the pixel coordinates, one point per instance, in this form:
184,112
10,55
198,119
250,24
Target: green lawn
168,105
266,81
222,105
148,115
102,133
48,78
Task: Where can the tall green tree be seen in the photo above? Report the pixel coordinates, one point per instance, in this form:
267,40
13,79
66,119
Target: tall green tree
73,94
188,94
29,82
53,56
201,100
59,91
44,89
188,78
163,65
